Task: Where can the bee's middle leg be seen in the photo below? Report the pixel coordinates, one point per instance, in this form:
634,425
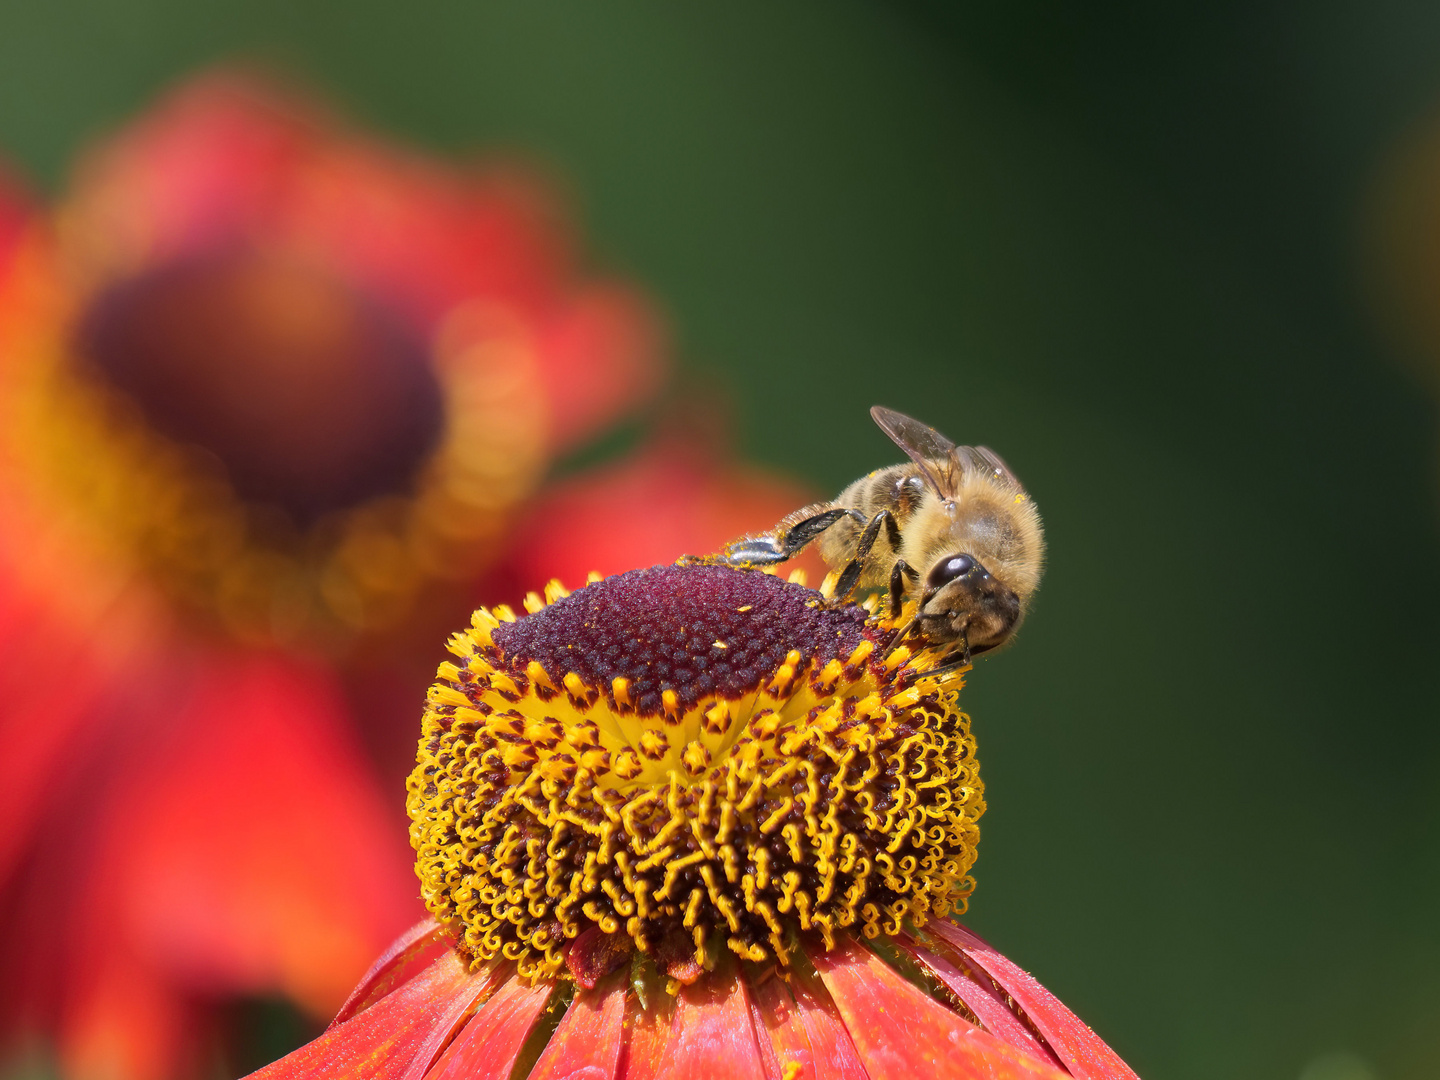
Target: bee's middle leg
851,574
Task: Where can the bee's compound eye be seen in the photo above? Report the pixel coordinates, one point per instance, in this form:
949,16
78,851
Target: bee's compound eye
956,566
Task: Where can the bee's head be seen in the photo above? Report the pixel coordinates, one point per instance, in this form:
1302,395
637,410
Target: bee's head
963,599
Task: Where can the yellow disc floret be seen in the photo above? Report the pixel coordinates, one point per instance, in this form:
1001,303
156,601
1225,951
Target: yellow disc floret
691,757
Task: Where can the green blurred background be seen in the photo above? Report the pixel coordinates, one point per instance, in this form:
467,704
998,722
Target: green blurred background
1117,242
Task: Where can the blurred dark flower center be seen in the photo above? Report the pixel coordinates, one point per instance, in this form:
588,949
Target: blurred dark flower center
313,396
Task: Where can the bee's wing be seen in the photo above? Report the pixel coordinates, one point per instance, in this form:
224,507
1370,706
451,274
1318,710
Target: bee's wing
938,458
989,462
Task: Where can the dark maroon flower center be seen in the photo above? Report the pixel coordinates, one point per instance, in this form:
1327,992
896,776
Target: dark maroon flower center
696,630
313,397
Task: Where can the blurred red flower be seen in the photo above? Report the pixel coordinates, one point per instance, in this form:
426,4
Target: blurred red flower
269,391
680,494
298,375
15,212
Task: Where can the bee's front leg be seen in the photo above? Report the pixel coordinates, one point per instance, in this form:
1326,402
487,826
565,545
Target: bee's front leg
953,662
782,546
899,574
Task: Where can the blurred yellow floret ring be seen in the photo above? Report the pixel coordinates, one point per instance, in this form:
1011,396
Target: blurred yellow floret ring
688,759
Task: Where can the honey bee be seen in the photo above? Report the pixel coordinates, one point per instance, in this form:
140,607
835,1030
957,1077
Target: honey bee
953,521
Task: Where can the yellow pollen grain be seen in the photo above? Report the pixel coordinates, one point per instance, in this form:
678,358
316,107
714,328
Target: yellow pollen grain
720,645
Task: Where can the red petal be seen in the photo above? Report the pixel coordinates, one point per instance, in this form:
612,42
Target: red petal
586,1045
410,953
484,984
490,1043
902,1032
981,997
1082,1051
712,1035
407,1028
806,1031
769,1062
642,1056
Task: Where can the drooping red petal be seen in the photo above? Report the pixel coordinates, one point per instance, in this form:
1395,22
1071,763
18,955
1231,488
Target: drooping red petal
402,1030
587,1044
483,985
407,956
900,1032
981,997
648,1035
805,1031
831,1047
1083,1052
712,1036
782,1035
769,1062
489,1044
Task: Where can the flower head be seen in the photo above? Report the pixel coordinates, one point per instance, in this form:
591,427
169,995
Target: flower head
697,821
695,759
